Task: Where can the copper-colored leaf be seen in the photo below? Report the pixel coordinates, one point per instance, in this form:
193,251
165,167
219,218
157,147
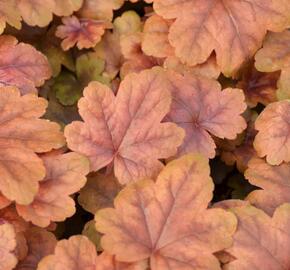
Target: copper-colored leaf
274,56
40,244
22,65
79,253
273,127
7,245
9,14
274,182
21,135
201,108
233,29
85,33
168,221
261,242
65,175
99,192
126,130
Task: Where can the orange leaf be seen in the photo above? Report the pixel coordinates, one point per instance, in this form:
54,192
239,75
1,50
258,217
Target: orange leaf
273,127
21,135
233,29
168,221
79,253
85,33
274,182
126,130
67,7
22,65
65,175
261,242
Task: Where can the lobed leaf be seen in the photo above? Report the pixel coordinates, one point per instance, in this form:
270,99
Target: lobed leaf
126,130
143,224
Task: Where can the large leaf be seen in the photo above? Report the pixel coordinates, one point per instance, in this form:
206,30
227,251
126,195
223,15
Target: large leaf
22,135
168,220
233,29
126,129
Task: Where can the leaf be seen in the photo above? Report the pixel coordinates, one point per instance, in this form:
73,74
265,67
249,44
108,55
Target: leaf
90,67
22,135
7,245
65,175
155,37
143,224
92,234
99,9
9,14
259,87
4,202
36,12
233,29
132,140
273,128
274,182
67,88
208,69
275,56
40,244
22,65
267,238
79,253
67,7
201,108
84,33
129,22
99,192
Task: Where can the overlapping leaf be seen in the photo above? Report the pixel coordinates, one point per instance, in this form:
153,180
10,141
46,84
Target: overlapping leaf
22,65
126,130
143,224
273,127
201,108
79,253
275,56
65,175
22,135
274,182
261,242
233,29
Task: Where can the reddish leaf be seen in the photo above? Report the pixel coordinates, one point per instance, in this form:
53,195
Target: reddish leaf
273,127
40,244
274,182
99,192
21,65
85,33
144,224
132,139
65,175
261,242
7,245
22,134
4,202
233,29
200,107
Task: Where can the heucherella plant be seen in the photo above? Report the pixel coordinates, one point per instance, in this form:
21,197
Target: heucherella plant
144,134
